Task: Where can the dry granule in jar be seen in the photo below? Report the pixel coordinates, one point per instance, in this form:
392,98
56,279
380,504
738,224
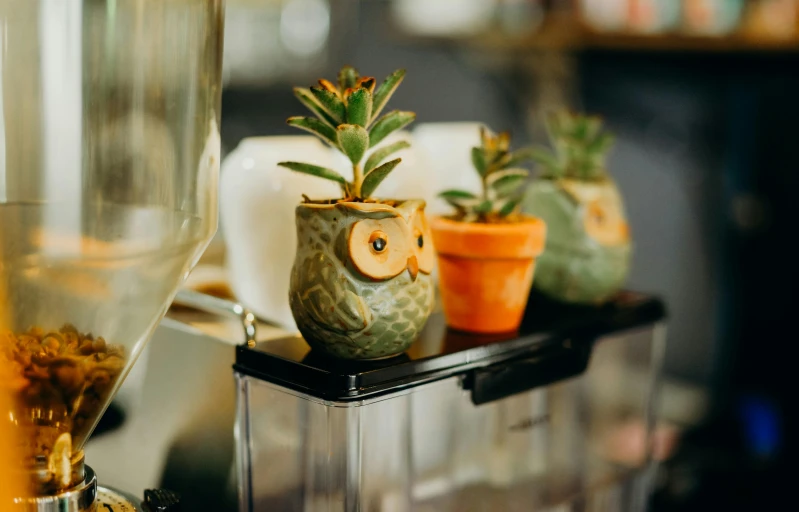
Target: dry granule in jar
60,381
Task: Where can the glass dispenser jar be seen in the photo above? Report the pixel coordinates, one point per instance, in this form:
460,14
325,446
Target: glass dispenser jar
109,158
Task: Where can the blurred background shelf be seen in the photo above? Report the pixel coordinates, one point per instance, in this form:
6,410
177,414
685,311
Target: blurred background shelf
564,32
580,39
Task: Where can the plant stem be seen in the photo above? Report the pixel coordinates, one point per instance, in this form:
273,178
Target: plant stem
357,180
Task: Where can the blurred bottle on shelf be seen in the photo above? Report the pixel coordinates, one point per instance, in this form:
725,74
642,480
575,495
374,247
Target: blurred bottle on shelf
520,17
772,19
711,17
634,16
442,18
604,15
653,16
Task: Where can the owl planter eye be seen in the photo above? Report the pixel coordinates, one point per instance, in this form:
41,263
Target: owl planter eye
379,240
380,249
602,214
422,242
604,223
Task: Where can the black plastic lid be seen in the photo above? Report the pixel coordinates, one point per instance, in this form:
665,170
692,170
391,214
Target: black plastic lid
555,338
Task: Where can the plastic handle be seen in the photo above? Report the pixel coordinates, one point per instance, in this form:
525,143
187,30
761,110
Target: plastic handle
503,380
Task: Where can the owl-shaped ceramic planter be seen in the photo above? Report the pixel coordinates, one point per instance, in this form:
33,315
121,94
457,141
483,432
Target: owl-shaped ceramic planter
587,256
361,286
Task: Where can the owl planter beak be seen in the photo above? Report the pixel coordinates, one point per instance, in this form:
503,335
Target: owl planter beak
413,267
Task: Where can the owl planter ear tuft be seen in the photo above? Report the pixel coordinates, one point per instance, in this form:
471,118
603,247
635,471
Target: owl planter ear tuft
588,251
360,286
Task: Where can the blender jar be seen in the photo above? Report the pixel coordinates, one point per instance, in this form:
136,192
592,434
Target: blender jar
109,158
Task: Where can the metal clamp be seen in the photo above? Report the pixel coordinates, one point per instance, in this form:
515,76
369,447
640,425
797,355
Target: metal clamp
78,499
211,304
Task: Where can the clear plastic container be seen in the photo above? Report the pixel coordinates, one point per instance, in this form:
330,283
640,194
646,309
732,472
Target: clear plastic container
109,158
558,417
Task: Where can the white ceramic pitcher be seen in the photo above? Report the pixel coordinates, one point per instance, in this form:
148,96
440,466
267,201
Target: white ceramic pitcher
257,201
446,150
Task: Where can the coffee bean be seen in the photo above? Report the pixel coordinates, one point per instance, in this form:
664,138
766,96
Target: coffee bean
99,345
61,379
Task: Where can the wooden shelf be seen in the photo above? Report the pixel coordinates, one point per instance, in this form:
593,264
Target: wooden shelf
568,34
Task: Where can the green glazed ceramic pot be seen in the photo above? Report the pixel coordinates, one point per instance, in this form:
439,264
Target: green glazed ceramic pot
587,257
360,286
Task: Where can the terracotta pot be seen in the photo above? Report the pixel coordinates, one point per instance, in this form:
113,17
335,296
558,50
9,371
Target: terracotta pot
486,271
360,286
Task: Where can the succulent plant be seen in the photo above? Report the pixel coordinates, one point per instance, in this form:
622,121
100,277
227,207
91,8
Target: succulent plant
347,119
501,179
580,147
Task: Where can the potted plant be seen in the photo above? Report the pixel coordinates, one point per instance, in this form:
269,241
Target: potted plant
487,248
588,248
360,286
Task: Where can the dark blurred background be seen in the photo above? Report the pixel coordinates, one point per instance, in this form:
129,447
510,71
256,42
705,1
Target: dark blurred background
704,97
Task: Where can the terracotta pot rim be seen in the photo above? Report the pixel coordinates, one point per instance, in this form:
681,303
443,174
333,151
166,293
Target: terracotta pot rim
516,241
528,223
471,256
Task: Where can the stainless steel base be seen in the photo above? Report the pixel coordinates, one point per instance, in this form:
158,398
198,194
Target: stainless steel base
84,497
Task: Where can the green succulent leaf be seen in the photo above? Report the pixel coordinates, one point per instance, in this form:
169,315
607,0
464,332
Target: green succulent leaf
331,103
353,141
317,127
315,170
381,154
347,77
518,157
386,90
506,182
548,160
455,204
580,128
359,107
497,160
601,144
485,207
559,125
463,201
390,122
509,207
307,98
592,127
376,176
456,195
480,160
